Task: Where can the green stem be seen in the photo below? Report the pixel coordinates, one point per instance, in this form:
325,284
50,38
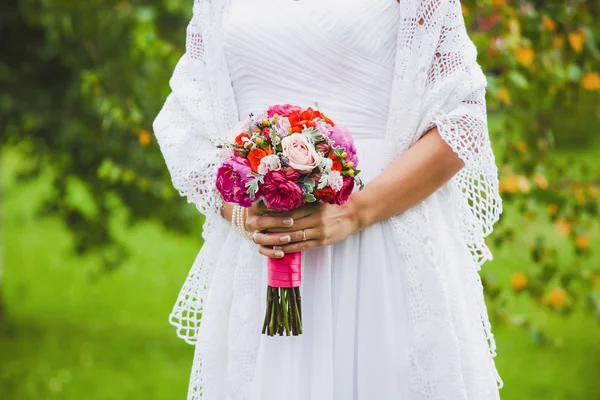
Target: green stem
295,329
298,301
284,307
290,309
277,310
268,308
272,321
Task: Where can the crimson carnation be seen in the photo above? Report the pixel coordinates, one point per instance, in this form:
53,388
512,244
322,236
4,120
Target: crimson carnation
280,193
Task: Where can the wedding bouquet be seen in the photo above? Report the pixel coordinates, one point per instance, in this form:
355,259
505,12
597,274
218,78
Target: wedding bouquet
287,157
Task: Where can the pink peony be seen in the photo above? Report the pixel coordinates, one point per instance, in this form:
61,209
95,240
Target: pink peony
232,177
283,110
345,191
301,154
341,137
280,193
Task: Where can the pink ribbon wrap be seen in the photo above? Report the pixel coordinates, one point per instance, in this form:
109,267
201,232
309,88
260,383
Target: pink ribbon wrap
285,272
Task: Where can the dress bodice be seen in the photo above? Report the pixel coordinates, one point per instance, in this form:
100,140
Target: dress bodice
338,54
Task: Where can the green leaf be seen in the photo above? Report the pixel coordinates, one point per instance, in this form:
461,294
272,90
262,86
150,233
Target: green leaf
253,185
309,184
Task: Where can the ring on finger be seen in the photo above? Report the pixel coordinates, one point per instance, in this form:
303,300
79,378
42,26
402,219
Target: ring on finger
303,235
254,237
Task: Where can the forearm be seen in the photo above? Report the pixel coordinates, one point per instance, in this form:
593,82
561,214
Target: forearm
410,179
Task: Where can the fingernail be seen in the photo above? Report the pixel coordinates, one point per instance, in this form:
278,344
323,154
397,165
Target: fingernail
288,221
279,254
286,239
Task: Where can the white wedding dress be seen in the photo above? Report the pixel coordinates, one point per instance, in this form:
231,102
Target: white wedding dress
339,54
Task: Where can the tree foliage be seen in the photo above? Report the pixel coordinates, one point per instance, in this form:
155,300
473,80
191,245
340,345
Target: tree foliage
542,60
82,82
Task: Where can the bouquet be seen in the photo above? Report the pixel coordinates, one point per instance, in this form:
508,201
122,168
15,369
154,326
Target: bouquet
287,157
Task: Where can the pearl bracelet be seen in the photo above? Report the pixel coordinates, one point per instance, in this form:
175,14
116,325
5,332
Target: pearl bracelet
237,220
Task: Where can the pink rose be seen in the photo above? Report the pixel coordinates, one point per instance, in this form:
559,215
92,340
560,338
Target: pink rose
301,154
280,193
345,191
283,110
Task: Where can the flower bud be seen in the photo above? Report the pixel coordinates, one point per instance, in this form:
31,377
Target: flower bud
351,172
265,122
350,164
322,148
344,155
258,141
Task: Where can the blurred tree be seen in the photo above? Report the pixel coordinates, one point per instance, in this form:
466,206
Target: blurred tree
543,65
81,83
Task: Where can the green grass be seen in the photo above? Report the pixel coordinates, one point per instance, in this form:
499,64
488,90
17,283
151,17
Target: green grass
72,334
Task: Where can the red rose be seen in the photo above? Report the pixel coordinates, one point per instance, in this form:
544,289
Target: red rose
256,155
267,133
326,195
299,119
345,191
239,138
337,165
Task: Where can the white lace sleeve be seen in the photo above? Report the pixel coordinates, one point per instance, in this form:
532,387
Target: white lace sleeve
186,130
461,119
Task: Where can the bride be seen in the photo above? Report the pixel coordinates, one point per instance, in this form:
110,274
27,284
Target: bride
392,301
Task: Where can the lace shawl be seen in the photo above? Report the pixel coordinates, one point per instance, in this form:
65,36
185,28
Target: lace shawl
437,82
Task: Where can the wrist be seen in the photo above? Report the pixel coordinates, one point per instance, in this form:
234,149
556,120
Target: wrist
227,211
358,212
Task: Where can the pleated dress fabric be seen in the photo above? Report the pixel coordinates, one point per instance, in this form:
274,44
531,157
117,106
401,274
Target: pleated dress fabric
339,56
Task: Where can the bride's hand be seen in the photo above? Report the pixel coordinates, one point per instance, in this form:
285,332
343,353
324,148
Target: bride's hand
314,225
260,219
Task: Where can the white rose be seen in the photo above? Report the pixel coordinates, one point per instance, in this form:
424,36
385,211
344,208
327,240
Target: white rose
269,163
336,181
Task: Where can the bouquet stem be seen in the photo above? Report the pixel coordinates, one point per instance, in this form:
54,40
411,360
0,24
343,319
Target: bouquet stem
283,315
